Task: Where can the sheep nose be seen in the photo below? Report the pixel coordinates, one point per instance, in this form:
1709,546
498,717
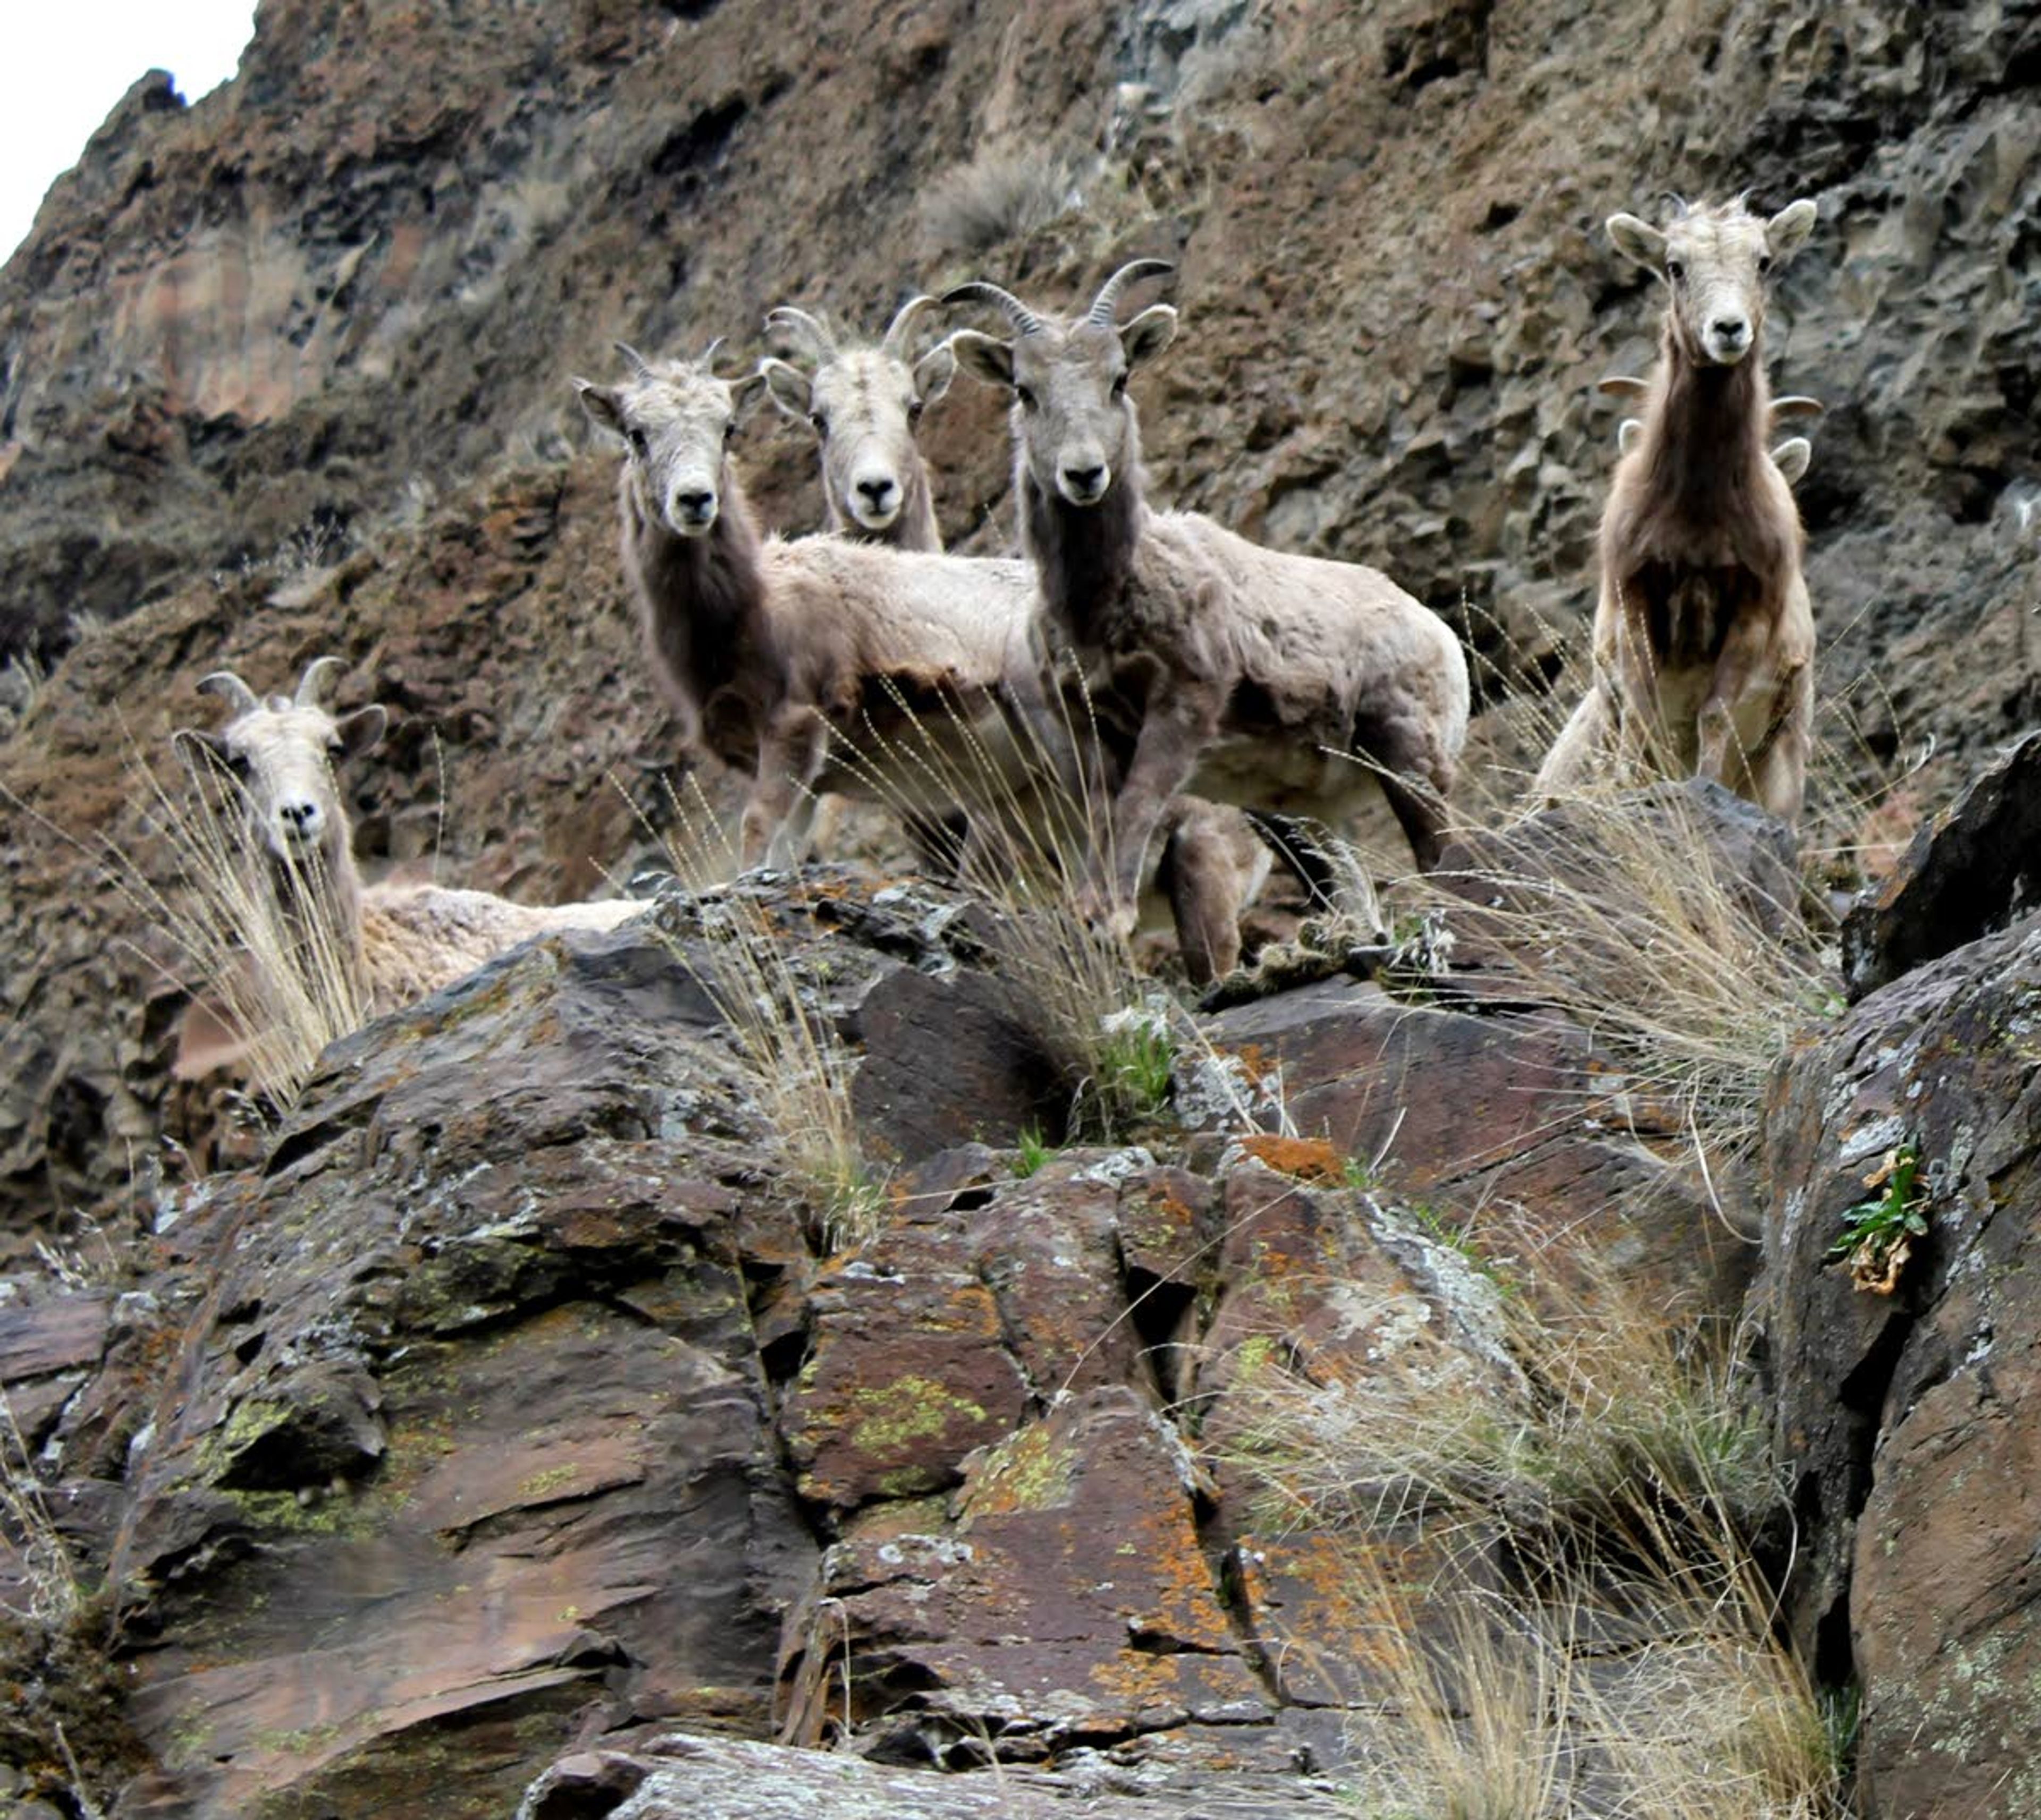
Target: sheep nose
696,507
1731,331
877,492
300,820
1084,482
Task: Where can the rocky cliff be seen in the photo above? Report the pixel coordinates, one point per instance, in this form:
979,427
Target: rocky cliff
287,372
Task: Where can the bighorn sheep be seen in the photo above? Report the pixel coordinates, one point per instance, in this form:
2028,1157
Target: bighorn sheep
864,404
1704,635
1217,666
392,943
819,664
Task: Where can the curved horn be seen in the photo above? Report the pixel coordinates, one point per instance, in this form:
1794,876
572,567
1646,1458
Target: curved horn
313,684
977,291
798,325
230,690
1680,204
1797,404
707,362
894,341
1132,272
638,364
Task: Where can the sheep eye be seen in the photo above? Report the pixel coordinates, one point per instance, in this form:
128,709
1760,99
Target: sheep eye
1119,385
730,429
1026,397
1764,262
914,411
238,763
820,420
637,440
1676,269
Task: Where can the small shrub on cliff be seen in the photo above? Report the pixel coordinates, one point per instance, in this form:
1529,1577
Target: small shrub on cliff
1003,193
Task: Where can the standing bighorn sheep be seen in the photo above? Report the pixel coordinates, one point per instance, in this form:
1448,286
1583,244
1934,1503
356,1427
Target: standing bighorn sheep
819,664
1704,635
1280,682
388,943
865,404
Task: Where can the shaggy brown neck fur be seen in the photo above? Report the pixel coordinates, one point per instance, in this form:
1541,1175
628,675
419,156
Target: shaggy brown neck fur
694,593
1697,493
1083,555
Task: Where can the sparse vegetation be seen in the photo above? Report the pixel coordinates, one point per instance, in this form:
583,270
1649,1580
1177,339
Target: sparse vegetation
1003,192
1878,1233
796,1061
1620,1486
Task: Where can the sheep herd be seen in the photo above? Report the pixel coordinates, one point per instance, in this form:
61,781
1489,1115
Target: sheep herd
1206,700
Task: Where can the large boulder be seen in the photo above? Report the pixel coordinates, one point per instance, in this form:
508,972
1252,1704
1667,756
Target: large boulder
1911,1419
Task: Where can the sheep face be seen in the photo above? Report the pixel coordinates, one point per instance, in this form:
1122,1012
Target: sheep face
863,406
1074,424
677,421
1073,421
1715,261
281,754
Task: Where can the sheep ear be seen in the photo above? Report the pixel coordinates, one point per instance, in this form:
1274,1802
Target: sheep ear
1149,334
1786,232
1639,241
1791,457
196,747
604,408
983,357
789,387
363,730
744,395
933,373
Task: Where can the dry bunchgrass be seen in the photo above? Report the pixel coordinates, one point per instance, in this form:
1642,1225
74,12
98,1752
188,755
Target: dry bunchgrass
1600,1638
796,1061
50,1593
1005,192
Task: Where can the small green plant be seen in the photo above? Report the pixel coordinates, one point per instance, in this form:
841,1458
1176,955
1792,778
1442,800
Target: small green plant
1135,1061
1878,1233
1033,1151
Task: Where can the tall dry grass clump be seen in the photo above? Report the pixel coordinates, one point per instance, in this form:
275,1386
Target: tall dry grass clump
1665,923
1037,830
795,1059
1600,1636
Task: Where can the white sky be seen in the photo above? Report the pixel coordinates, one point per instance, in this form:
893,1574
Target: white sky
63,64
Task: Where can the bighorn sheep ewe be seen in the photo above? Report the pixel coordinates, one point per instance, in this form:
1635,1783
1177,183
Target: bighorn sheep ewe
864,403
1244,674
819,664
393,943
1703,636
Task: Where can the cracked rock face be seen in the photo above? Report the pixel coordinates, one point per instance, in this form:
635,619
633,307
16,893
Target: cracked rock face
1910,1419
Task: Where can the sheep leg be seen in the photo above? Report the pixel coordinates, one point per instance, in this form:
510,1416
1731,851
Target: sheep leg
1415,776
1779,777
780,810
1745,673
1201,874
1172,735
